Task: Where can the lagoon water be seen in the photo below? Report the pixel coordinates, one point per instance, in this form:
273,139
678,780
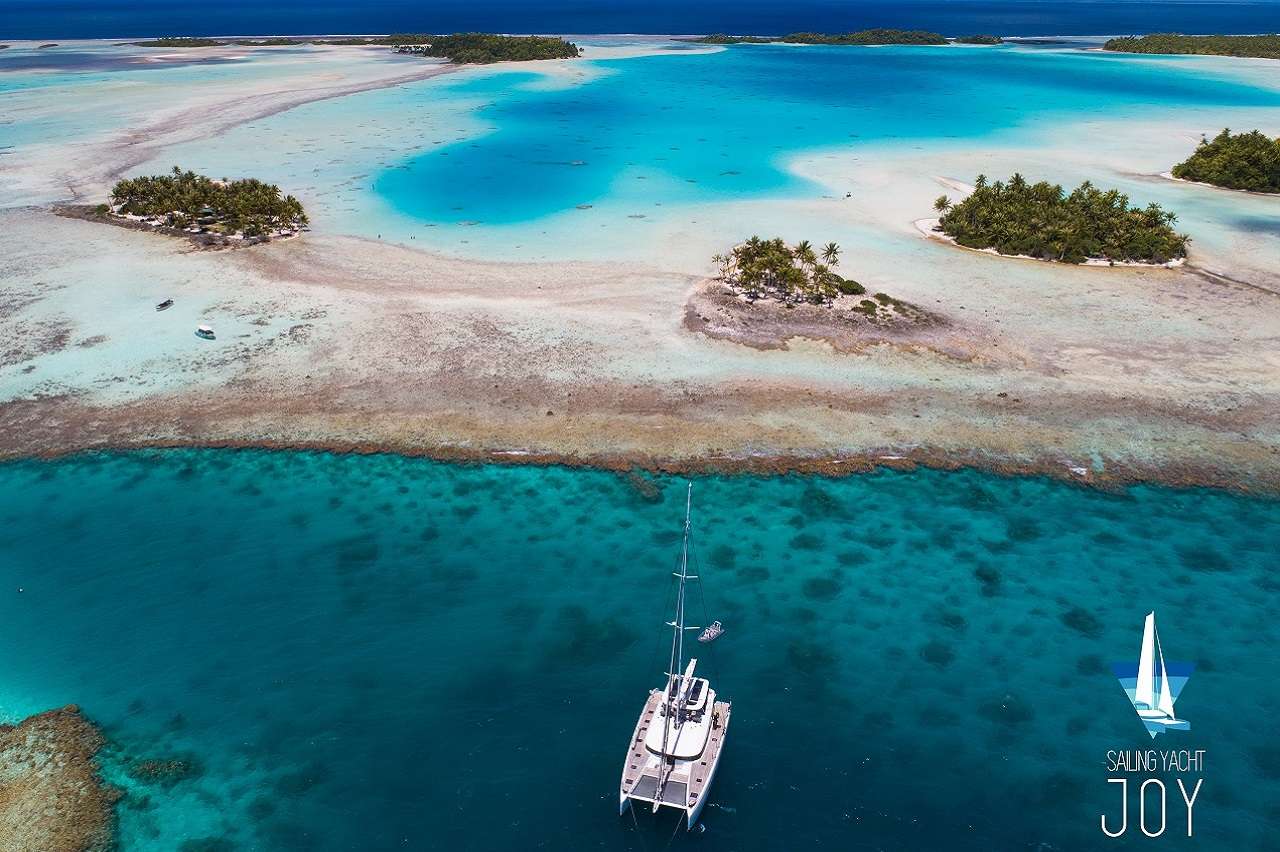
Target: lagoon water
697,128
599,158
373,652
606,158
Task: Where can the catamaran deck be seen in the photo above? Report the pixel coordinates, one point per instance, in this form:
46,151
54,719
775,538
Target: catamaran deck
688,781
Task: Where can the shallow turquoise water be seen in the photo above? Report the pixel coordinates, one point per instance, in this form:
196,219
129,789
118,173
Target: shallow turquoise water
84,90
698,128
598,159
377,652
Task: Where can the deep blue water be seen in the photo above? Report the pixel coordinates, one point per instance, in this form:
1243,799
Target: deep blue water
40,19
386,653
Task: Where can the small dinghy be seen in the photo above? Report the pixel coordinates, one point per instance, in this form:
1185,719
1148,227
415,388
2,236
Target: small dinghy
712,633
165,305
205,332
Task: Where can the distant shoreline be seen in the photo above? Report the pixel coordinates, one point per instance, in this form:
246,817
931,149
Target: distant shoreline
1013,38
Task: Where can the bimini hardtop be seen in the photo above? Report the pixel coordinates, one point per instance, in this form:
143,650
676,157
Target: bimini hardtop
676,746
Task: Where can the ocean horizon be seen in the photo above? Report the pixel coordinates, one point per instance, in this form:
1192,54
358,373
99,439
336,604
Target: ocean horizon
79,19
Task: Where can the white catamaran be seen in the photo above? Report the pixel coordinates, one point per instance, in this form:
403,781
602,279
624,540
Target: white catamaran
1153,696
678,740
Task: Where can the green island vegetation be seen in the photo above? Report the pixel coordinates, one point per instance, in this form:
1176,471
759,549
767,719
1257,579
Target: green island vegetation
882,306
188,201
802,275
460,48
862,37
1039,220
1249,161
393,40
980,39
180,41
483,48
771,269
721,38
1259,46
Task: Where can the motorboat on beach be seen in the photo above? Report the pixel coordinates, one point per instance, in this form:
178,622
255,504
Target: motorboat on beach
676,746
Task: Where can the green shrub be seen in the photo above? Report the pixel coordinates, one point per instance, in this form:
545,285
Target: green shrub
849,287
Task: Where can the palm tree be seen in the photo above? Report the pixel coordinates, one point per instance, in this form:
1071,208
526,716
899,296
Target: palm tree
942,204
722,261
831,254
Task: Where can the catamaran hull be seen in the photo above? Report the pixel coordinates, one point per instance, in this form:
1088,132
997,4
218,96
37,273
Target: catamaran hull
687,779
696,810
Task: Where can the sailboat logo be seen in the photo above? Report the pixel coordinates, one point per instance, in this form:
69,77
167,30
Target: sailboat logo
1154,684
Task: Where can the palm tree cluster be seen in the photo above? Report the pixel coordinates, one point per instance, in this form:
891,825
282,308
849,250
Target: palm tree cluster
1263,46
774,270
182,199
1244,161
483,48
1042,221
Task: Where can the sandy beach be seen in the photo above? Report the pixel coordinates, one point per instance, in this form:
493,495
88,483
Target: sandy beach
349,343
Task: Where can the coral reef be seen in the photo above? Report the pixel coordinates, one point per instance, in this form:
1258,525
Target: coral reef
51,796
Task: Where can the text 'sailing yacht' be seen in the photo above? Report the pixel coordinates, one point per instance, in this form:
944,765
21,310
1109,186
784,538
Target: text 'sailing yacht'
678,740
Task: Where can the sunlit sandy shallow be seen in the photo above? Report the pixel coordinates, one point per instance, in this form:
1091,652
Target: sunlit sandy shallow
501,257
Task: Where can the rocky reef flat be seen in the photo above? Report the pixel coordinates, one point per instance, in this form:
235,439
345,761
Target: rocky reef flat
51,795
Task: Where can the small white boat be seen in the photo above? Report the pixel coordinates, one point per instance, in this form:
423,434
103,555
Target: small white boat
205,332
678,740
712,633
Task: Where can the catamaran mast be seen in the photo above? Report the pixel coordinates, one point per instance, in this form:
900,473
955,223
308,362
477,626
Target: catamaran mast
678,658
674,673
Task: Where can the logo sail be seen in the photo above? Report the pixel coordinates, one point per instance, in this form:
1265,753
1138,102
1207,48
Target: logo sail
1153,691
